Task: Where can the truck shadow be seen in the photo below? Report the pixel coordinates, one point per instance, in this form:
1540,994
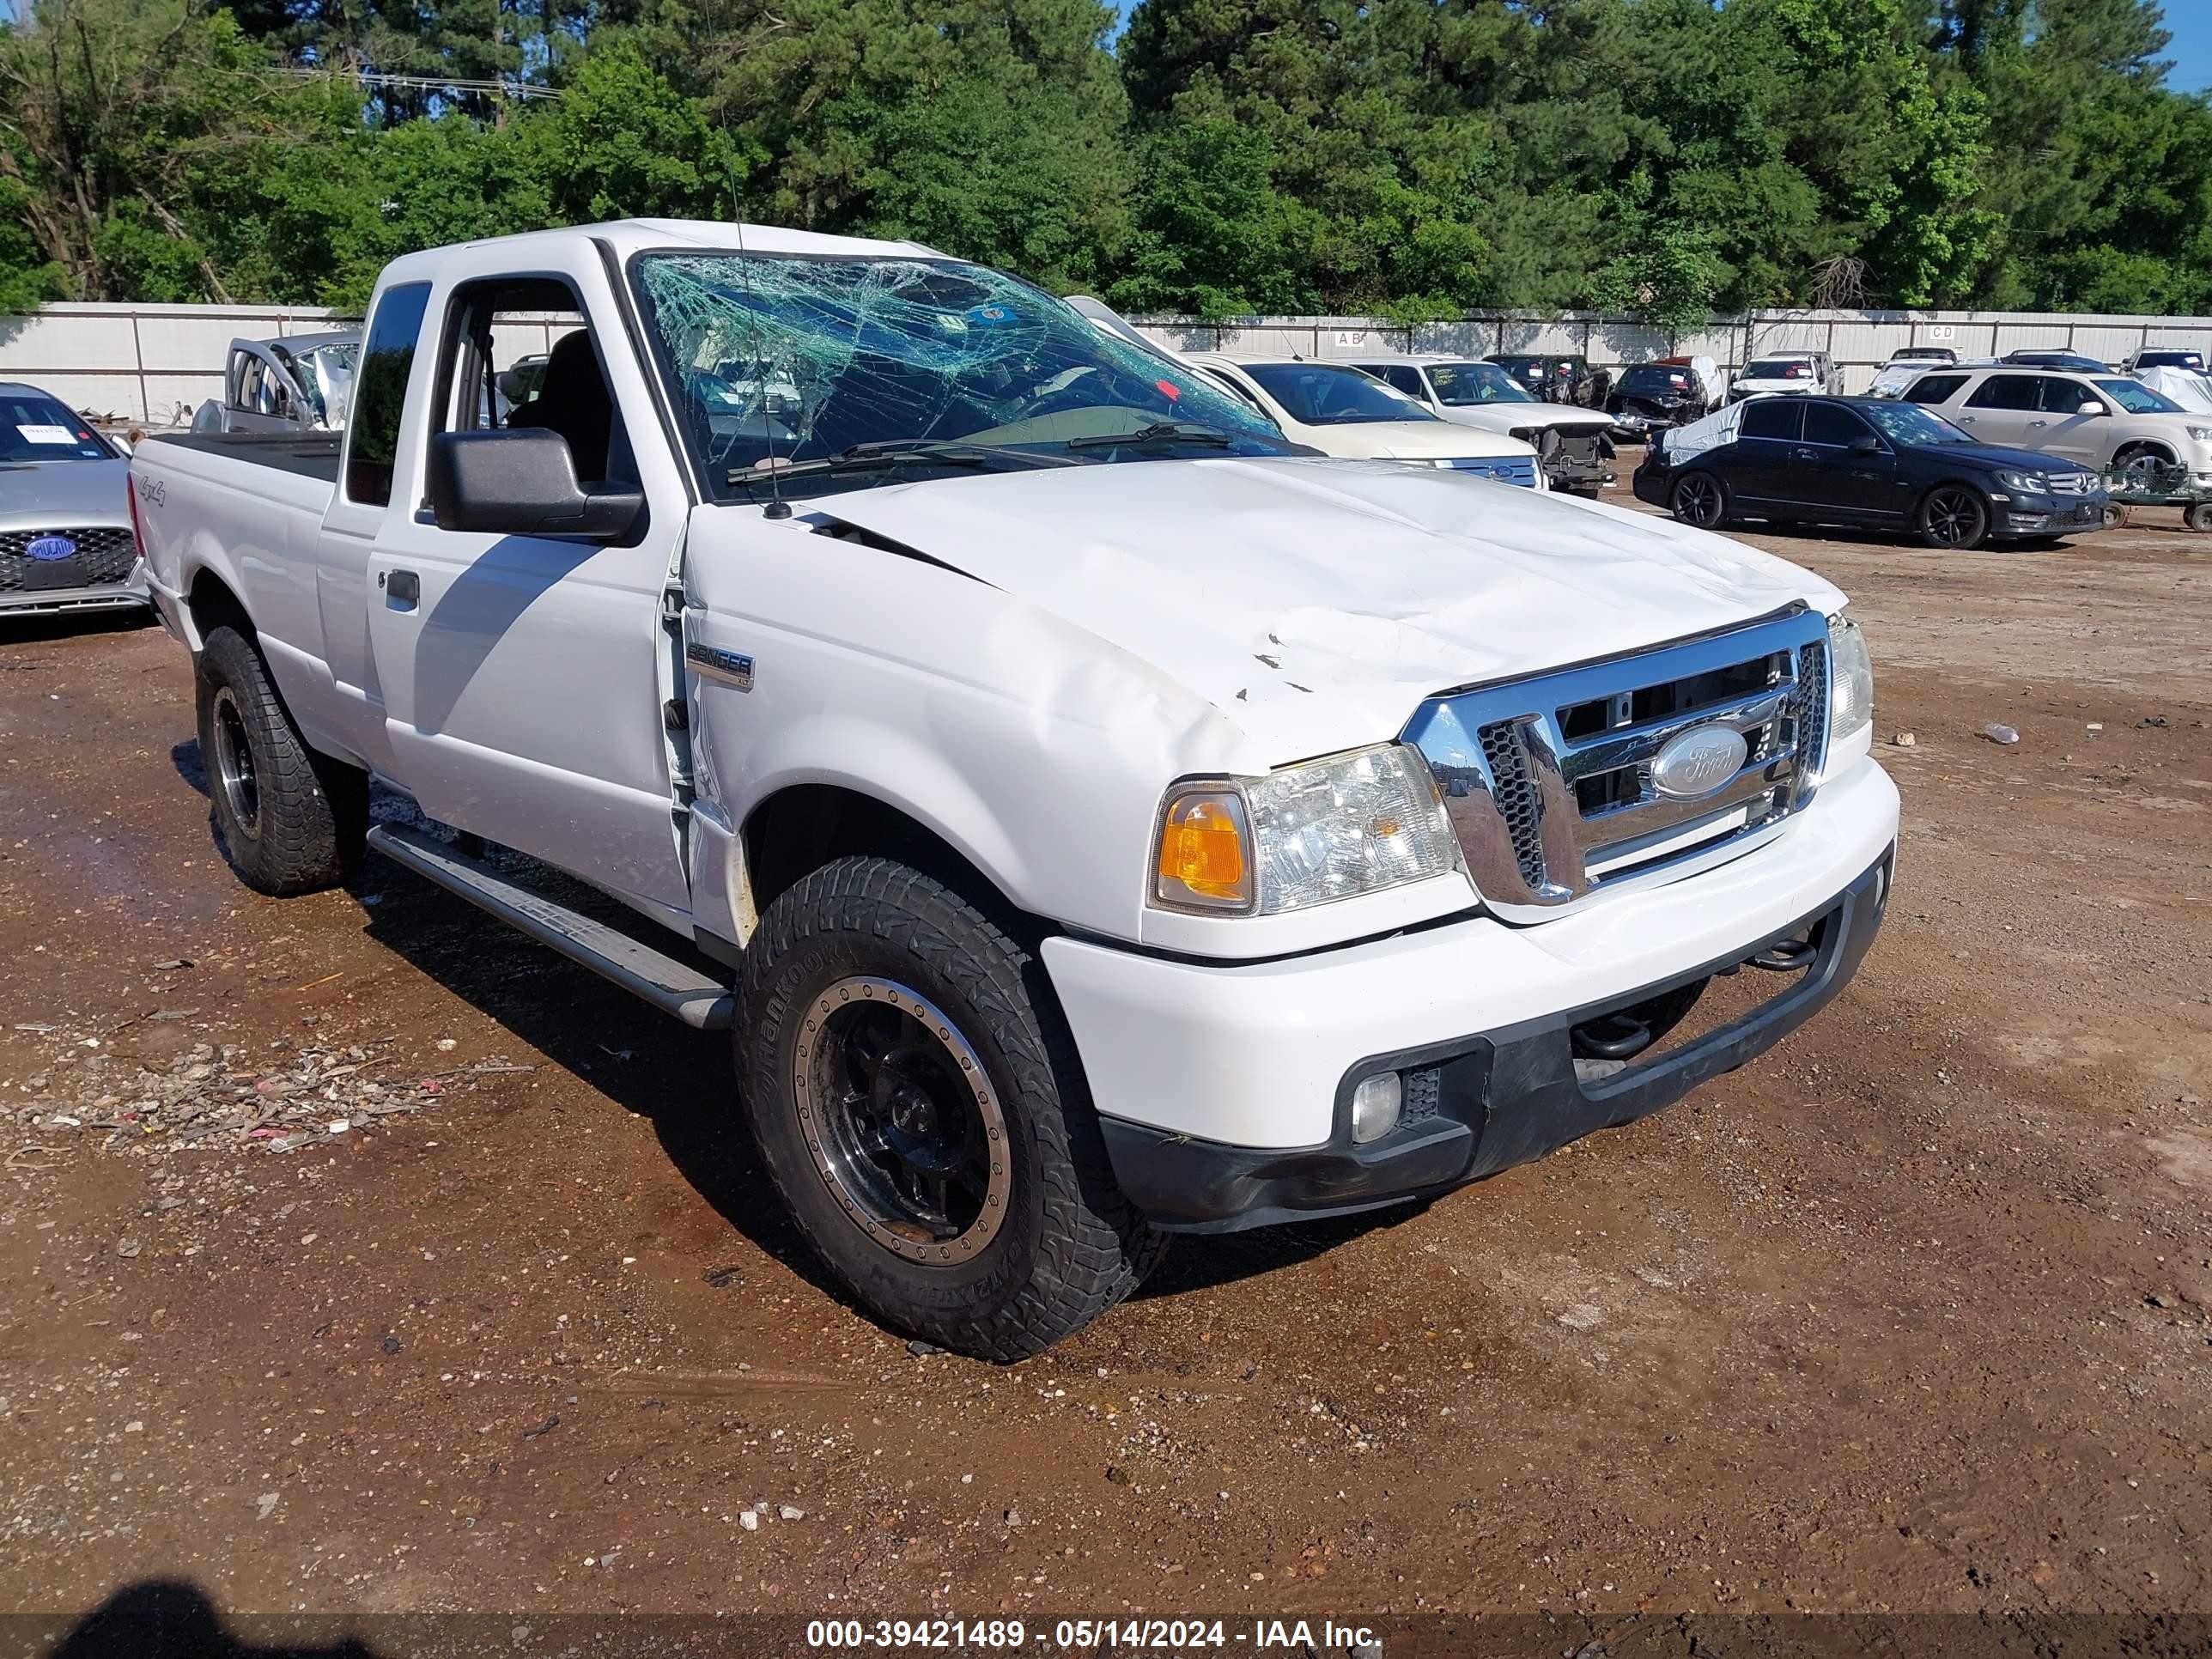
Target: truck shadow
682,1081
169,1619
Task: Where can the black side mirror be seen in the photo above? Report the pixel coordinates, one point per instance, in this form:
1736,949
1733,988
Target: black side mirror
523,483
1866,444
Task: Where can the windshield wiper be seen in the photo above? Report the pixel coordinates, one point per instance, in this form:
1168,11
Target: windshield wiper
894,452
1160,432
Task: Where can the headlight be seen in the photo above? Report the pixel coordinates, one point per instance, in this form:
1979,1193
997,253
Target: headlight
1303,835
1851,679
2202,434
2025,484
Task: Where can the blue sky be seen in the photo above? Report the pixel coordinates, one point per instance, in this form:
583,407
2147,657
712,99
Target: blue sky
2190,23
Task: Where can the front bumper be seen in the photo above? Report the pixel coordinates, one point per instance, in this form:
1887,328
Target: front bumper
132,593
2072,515
1225,1090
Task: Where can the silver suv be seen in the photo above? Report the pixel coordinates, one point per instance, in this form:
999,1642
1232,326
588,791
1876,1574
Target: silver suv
2102,421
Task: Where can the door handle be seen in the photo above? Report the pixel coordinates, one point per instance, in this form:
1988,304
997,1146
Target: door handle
2031,425
1804,455
402,588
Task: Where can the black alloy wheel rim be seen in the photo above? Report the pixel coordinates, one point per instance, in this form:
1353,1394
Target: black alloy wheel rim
1954,518
903,1122
234,764
1698,500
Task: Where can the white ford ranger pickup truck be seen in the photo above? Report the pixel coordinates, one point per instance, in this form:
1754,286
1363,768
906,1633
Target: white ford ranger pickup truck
1094,816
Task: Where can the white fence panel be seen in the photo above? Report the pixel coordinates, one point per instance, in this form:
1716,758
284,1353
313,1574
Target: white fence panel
154,364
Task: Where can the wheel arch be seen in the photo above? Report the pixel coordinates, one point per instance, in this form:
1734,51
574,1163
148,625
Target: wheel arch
2158,447
210,602
801,827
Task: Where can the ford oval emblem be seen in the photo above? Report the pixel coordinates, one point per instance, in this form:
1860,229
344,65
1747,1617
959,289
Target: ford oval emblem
49,549
1694,764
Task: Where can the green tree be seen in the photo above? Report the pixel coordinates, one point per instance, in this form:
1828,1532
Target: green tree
991,128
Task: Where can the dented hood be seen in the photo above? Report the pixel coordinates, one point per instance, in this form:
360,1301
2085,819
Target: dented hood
1318,602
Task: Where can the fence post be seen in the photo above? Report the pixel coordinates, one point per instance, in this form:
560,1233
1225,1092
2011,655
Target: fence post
138,353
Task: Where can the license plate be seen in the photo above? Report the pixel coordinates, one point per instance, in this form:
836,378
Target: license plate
39,574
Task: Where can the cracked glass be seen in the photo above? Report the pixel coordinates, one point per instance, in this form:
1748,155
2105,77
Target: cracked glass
784,366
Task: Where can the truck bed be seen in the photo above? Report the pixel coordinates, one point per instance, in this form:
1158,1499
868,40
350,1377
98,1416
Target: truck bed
307,454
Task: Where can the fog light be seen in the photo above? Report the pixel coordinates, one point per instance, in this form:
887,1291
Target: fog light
1374,1106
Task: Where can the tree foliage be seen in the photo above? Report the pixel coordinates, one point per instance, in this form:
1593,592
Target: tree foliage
1407,158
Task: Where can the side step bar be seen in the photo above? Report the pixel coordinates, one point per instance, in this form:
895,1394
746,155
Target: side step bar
670,986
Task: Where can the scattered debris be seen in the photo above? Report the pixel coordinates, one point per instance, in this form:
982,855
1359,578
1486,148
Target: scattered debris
267,1505
220,1090
1998,732
790,1512
749,1521
128,1248
1905,740
2156,721
1583,1317
920,1349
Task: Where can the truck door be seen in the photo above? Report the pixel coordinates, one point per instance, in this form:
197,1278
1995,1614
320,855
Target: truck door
520,674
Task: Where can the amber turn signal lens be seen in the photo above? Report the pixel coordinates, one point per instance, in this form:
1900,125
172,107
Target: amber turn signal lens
1202,857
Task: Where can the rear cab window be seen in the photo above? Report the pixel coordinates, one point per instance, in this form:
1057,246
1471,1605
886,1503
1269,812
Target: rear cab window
380,394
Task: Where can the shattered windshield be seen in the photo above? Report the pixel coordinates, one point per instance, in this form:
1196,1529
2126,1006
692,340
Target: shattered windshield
1461,385
777,361
1909,423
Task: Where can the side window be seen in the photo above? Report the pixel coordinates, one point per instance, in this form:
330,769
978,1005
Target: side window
1406,378
249,383
1772,418
2062,395
2007,391
1934,388
1831,423
380,391
518,355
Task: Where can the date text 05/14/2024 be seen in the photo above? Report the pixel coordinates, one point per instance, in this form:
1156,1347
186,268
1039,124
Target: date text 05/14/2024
1168,1635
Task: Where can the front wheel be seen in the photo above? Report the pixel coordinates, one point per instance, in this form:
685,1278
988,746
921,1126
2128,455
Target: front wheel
1954,518
921,1110
1699,498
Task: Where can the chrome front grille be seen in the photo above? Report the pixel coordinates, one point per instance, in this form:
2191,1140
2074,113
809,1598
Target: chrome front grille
1506,469
2071,484
1550,782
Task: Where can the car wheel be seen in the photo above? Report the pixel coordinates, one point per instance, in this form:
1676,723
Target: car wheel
1699,498
2197,515
921,1110
2141,468
291,821
1954,517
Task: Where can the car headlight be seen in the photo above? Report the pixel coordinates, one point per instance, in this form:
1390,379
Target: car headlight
2025,484
1851,679
1302,836
2202,434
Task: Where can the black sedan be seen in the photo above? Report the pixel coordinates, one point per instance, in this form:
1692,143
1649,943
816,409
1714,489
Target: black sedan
1869,461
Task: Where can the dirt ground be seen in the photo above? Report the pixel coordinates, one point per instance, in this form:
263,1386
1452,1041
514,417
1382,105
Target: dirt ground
1915,1313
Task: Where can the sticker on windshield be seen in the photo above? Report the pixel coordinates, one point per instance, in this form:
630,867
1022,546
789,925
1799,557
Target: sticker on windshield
988,316
47,435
